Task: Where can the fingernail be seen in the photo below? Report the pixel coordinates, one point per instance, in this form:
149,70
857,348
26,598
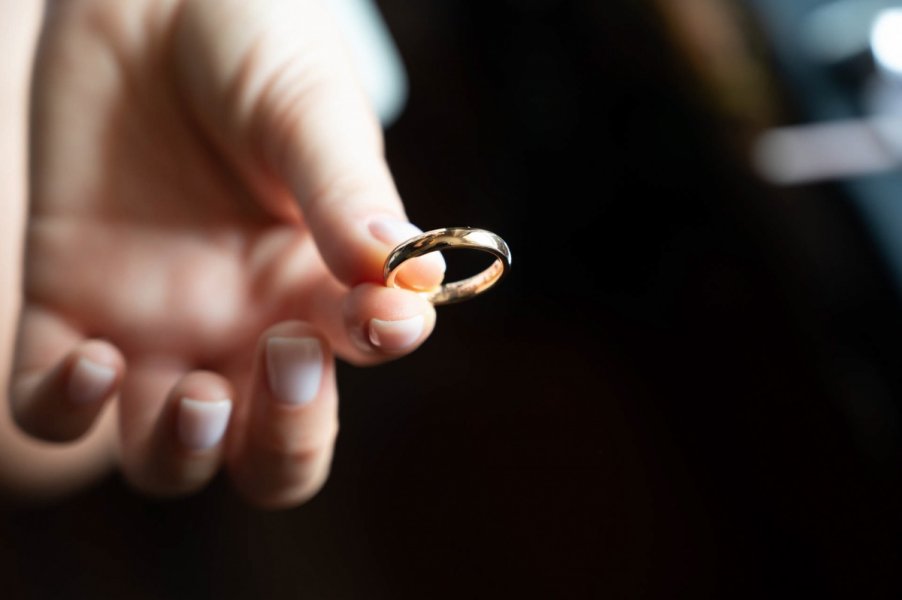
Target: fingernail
295,368
90,381
395,336
201,425
394,231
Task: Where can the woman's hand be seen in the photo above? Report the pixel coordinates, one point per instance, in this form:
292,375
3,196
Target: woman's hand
210,210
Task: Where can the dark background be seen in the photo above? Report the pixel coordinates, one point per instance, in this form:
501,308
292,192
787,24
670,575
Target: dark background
687,387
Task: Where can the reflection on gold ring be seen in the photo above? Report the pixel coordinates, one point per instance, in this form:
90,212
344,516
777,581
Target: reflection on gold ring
451,238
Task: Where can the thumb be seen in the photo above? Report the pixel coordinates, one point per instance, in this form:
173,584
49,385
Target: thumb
277,87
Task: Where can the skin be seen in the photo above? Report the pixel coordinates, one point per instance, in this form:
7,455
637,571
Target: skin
203,177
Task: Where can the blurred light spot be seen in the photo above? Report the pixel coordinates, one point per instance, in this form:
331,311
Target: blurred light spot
823,151
374,55
886,41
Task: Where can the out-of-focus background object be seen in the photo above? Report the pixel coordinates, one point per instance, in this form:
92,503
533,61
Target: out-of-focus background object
374,54
842,63
688,386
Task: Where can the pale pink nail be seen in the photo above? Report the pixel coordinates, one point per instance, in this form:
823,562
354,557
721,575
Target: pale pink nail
295,368
396,336
201,425
392,232
90,381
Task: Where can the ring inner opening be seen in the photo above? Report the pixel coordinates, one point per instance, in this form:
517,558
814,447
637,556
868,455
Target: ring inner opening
464,263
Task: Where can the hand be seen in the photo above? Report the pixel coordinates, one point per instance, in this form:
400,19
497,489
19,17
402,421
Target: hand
209,214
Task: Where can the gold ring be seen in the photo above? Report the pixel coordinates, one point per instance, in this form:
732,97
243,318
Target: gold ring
451,238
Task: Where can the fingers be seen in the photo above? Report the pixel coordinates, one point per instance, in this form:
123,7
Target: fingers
281,436
61,404
370,324
60,383
274,83
287,429
385,323
344,187
173,428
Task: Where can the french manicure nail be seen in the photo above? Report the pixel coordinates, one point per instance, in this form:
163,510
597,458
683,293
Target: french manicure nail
295,368
395,336
201,425
90,381
392,232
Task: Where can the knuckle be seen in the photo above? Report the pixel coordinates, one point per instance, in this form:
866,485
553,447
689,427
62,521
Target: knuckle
301,488
170,478
292,451
278,477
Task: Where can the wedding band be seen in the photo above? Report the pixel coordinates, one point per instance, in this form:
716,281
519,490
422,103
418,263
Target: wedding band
452,238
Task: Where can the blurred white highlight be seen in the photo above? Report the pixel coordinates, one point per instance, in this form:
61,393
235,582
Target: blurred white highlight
822,151
374,54
886,41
